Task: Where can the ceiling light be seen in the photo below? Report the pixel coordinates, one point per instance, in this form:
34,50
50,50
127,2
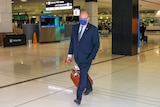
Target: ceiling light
157,13
23,0
12,1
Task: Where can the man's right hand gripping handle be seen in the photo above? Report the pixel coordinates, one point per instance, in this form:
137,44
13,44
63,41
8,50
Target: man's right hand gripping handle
69,59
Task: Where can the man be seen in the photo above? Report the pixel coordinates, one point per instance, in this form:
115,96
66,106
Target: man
84,45
142,31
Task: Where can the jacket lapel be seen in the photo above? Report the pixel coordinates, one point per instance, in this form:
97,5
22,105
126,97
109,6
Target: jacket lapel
77,29
85,31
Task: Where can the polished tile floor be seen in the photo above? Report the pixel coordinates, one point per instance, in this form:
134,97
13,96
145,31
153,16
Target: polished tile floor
36,76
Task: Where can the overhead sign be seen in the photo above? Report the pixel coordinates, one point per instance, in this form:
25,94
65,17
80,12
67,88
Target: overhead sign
59,5
76,11
46,12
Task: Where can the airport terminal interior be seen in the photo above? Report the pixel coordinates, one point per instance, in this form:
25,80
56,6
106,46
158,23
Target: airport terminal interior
36,75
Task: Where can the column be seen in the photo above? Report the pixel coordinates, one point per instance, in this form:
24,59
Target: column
5,16
124,27
91,6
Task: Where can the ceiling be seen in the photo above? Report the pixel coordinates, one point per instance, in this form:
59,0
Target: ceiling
104,6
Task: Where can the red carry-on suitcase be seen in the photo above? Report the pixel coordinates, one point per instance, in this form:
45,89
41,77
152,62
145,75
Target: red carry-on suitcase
75,72
75,77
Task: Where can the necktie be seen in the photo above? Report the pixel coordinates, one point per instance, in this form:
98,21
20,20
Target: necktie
80,33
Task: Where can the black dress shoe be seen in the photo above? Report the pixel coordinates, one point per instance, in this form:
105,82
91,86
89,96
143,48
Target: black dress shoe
87,91
78,102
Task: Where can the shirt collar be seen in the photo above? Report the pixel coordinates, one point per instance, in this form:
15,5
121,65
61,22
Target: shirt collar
84,26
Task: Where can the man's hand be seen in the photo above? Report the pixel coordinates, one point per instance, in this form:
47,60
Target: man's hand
69,59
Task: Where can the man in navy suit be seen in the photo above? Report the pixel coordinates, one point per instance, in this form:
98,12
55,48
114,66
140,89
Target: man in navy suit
84,45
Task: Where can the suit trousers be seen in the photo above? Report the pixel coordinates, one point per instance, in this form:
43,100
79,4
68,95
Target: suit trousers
84,82
142,36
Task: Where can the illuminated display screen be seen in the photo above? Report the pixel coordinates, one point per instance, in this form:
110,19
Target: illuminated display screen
23,17
16,17
69,18
59,5
47,21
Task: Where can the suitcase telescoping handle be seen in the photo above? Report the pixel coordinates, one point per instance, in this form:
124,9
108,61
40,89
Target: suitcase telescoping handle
69,64
72,68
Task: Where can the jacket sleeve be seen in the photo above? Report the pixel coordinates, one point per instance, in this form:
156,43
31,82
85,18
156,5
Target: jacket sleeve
96,43
70,51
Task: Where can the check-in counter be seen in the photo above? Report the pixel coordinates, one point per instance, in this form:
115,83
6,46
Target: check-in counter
29,29
68,30
49,34
49,29
153,28
17,31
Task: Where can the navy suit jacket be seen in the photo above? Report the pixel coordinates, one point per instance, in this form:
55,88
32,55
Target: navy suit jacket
85,50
